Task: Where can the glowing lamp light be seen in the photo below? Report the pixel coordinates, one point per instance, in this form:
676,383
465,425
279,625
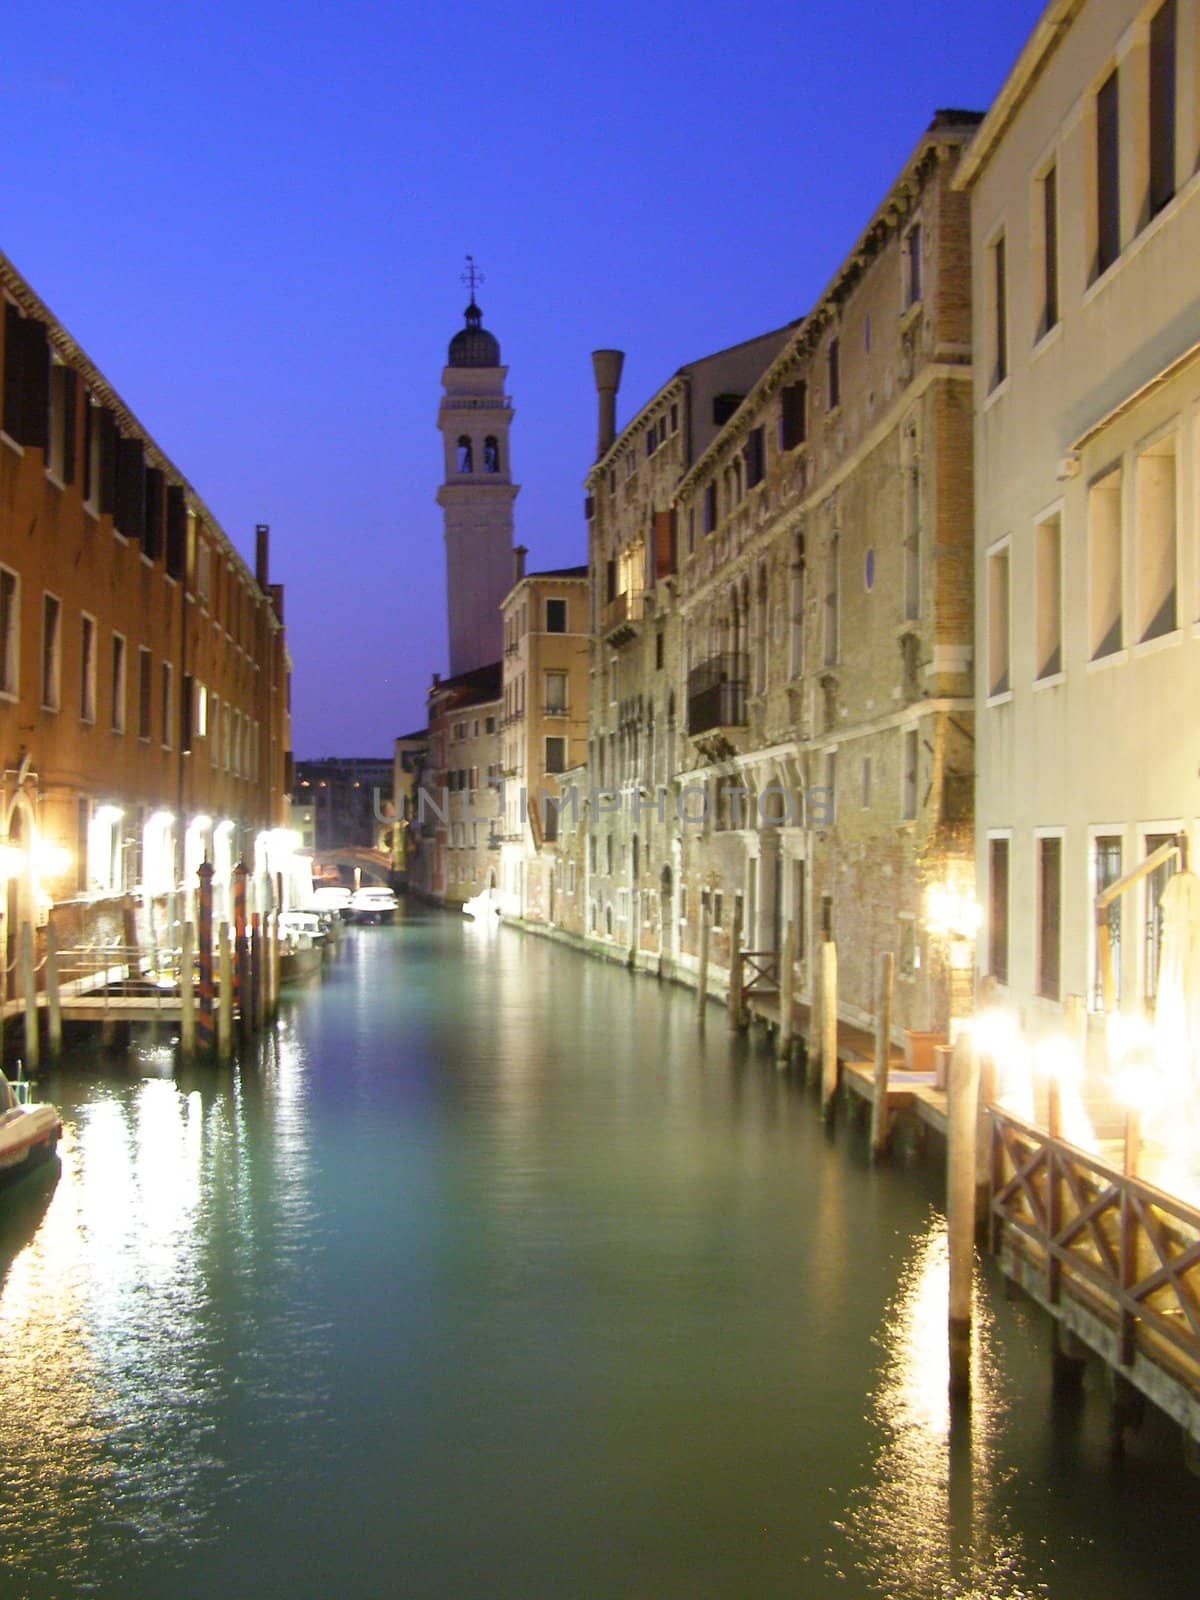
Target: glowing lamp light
200,824
107,815
1057,1057
51,860
952,911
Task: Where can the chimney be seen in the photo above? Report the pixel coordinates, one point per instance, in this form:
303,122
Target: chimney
519,554
262,542
607,366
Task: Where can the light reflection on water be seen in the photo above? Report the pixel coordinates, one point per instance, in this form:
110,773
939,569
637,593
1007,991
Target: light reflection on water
489,1275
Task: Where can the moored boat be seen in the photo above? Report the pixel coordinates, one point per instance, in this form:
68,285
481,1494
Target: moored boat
29,1135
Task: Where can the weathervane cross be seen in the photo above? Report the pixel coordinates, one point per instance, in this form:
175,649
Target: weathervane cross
472,277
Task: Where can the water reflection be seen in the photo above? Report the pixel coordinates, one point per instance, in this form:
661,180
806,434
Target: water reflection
113,1307
929,1519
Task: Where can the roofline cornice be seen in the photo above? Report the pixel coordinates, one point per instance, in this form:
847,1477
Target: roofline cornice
1039,47
936,146
74,355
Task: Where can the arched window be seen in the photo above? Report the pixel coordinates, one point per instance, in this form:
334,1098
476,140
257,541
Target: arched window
491,454
465,463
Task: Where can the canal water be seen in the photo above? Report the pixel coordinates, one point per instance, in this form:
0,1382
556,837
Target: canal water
489,1276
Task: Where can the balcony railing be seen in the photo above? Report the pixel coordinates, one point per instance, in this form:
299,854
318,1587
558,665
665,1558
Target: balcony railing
717,693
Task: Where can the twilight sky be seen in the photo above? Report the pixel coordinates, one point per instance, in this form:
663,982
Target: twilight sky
253,218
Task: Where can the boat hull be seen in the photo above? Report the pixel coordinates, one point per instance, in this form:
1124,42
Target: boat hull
28,1140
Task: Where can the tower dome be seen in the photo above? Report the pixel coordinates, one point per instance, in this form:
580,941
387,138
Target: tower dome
474,346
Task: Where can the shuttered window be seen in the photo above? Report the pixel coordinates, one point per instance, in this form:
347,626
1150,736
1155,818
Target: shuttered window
793,421
1162,106
152,539
176,530
1108,175
26,380
130,509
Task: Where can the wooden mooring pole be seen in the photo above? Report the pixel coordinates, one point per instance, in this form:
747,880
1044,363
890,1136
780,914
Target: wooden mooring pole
187,992
29,995
829,1026
205,1030
881,1122
787,994
736,967
53,994
241,953
961,1157
225,994
257,995
705,942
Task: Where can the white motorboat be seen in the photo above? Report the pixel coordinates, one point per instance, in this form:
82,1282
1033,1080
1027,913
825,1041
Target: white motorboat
29,1135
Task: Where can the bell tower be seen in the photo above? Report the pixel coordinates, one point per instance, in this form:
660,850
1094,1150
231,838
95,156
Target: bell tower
477,491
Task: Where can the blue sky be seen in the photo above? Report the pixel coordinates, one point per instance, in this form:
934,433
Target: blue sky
253,217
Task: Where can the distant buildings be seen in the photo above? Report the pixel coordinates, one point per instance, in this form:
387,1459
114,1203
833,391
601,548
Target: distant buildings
351,801
144,672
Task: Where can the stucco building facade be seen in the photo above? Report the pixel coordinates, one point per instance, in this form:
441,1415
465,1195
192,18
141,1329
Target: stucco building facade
144,672
1085,205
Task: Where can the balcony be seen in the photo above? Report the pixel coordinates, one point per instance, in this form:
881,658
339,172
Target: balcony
716,693
621,616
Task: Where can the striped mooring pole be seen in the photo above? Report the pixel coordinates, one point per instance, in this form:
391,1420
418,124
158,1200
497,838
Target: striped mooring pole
241,951
206,1038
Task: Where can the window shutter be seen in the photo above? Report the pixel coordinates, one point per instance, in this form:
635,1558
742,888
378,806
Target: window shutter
152,541
664,543
176,529
70,388
13,347
107,424
26,381
186,702
130,510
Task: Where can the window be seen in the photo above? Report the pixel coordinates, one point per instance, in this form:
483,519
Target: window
710,507
866,783
800,907
999,273
832,599
556,691
1106,869
491,454
1162,106
556,753
793,418
463,455
200,714
60,447
651,441
998,909
718,909
910,750
1048,597
798,576
831,787
10,632
144,690
834,361
1049,912
556,616
1108,175
51,652
1157,606
570,877
756,457
87,668
117,683
1152,902
912,543
92,432
166,706
214,725
1104,565
1049,241
999,681
26,379
912,265
490,724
